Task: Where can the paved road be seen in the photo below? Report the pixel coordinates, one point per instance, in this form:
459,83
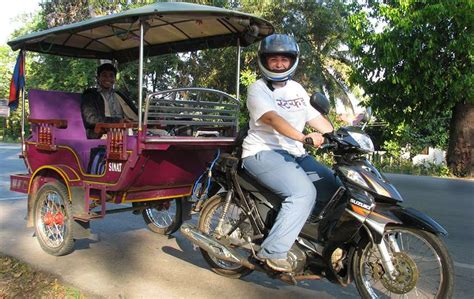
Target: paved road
124,259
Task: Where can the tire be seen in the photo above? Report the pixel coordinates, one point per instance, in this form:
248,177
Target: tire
207,221
53,219
164,219
419,252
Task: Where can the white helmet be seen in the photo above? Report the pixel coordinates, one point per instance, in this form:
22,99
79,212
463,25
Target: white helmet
278,44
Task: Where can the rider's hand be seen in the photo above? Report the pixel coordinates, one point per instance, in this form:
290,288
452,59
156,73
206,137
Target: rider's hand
317,138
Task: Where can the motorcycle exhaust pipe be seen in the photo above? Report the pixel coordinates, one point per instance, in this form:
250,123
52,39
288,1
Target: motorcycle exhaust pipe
213,247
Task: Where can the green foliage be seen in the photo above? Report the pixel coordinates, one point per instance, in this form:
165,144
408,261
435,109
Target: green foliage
417,66
11,127
50,72
320,29
7,62
247,77
403,166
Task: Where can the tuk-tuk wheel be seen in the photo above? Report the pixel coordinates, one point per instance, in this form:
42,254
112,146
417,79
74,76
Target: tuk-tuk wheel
165,218
53,219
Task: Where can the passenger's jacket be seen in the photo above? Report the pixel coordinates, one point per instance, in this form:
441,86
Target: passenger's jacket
93,111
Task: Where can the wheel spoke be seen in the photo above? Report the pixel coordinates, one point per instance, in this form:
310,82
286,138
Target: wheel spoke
163,216
51,207
417,254
230,219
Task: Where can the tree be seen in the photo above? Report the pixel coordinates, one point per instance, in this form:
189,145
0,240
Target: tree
320,29
414,59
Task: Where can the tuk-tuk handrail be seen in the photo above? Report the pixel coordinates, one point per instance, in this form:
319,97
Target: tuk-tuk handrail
192,89
104,127
217,109
57,123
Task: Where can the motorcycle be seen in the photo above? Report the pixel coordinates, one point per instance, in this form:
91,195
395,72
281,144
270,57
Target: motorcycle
358,230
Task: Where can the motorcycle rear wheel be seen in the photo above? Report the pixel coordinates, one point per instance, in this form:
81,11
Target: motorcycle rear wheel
423,263
210,214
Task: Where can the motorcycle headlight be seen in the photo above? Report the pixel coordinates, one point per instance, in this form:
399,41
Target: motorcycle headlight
363,140
353,176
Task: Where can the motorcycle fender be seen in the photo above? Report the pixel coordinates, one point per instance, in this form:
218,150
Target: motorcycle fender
415,218
381,216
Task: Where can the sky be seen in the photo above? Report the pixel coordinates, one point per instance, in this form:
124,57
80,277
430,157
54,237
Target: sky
9,11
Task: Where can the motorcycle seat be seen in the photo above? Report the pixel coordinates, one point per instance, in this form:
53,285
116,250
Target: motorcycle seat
250,184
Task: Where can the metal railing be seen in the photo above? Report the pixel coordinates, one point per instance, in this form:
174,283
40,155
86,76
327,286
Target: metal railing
197,112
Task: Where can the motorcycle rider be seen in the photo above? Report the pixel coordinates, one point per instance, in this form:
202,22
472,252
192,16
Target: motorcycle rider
273,150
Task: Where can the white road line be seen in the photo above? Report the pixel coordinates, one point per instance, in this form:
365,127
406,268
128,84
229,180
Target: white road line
465,266
13,197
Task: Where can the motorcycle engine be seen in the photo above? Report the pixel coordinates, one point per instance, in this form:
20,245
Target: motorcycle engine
297,258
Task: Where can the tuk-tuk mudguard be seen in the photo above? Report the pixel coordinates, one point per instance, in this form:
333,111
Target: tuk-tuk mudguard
75,191
40,177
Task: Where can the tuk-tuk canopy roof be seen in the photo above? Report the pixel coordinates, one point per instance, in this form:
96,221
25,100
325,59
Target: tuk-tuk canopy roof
168,28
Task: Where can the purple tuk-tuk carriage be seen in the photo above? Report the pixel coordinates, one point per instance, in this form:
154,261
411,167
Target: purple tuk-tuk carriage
148,166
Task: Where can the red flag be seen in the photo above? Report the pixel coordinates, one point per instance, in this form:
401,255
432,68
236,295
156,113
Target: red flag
18,81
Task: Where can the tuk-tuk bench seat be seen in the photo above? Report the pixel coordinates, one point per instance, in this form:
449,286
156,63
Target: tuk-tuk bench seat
65,106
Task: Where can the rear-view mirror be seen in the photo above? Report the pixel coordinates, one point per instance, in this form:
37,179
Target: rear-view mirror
320,103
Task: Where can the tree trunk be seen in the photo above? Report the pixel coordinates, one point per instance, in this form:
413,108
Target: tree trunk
461,140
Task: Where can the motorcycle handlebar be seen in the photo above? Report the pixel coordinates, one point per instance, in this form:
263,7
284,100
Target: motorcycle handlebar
326,144
308,141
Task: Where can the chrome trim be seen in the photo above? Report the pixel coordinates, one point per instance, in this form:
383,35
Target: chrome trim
315,247
377,226
212,246
198,89
356,216
393,243
386,260
189,139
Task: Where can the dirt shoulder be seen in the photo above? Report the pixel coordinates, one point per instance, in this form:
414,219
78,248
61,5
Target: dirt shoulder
20,280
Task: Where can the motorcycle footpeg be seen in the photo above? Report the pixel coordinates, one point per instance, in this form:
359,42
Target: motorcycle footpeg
288,278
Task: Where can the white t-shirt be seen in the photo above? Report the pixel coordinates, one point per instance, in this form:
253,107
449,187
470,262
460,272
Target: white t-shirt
290,102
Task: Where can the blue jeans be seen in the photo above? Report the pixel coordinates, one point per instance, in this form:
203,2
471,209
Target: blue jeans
291,178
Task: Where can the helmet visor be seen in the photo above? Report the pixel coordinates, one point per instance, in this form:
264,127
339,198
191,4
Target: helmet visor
272,66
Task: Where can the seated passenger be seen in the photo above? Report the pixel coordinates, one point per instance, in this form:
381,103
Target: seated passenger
104,104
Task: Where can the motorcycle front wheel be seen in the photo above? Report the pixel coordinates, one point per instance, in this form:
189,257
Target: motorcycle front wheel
423,265
208,221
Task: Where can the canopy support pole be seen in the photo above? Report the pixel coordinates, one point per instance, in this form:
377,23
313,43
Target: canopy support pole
237,90
140,80
23,119
23,114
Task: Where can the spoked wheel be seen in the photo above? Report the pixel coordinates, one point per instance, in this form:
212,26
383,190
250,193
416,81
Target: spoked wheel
424,268
53,219
165,217
208,221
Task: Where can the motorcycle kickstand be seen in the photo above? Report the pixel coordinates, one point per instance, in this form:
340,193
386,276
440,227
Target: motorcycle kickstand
288,278
254,254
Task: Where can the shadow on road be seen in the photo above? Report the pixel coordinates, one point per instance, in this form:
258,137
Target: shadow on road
186,252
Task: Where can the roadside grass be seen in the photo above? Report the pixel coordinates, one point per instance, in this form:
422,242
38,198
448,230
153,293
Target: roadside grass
427,169
398,166
19,280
